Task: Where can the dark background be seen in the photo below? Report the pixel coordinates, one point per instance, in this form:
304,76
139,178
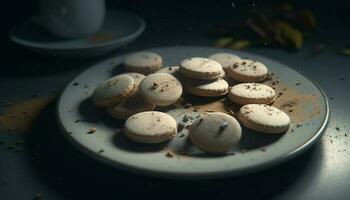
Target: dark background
64,173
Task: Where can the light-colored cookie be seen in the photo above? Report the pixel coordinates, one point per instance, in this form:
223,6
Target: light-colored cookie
201,68
161,89
113,90
204,88
172,70
264,118
251,93
215,132
130,106
222,74
150,127
143,62
225,59
247,71
136,76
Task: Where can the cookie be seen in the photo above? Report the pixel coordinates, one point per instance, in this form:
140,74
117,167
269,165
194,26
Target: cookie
247,71
172,70
215,133
150,127
201,68
136,76
222,74
251,93
225,59
204,88
113,90
161,89
143,62
264,118
130,106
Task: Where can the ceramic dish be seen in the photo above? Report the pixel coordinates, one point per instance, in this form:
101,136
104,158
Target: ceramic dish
302,98
120,28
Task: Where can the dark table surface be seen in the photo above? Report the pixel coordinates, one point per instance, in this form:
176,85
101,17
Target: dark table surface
47,166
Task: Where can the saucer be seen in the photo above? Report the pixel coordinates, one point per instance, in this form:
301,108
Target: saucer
119,29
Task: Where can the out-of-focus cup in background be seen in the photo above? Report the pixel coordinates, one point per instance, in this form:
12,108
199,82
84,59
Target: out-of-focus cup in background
72,18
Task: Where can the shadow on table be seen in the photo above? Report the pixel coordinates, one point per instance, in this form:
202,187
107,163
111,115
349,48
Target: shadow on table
62,168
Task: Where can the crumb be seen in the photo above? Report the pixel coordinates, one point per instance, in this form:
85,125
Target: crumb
101,151
180,126
185,118
181,135
75,84
262,149
337,128
154,86
169,155
297,84
91,130
223,125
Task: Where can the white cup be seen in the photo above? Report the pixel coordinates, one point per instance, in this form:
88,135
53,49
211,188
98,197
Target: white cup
72,18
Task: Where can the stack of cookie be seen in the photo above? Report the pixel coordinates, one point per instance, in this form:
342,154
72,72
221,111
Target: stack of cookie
134,95
203,77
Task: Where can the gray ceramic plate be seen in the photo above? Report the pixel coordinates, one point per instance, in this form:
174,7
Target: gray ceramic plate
120,28
302,99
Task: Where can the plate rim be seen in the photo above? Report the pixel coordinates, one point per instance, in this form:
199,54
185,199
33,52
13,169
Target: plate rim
40,46
202,175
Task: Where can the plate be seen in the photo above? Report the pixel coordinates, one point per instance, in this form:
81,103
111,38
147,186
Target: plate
120,28
300,97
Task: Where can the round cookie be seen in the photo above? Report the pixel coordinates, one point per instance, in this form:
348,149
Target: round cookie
132,105
222,74
264,118
136,76
225,59
201,68
150,127
251,93
172,70
113,90
143,62
204,88
247,71
215,132
161,89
